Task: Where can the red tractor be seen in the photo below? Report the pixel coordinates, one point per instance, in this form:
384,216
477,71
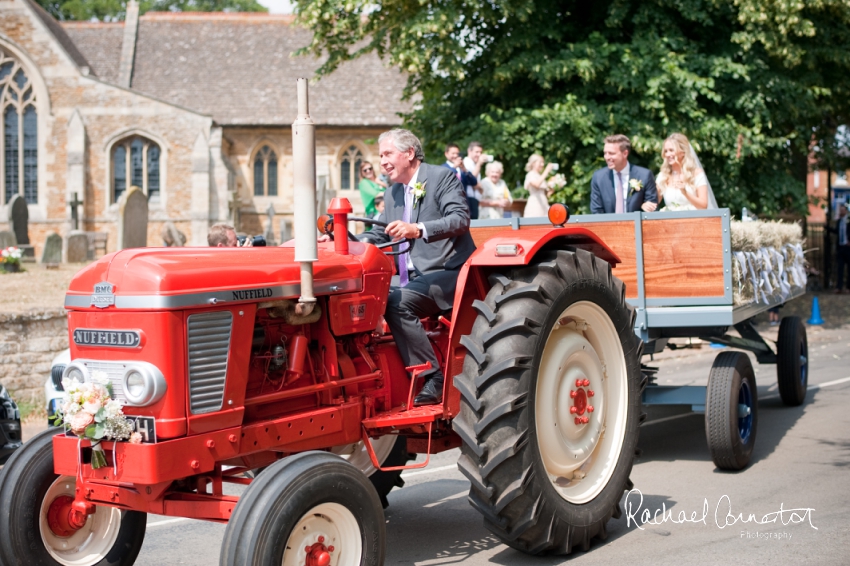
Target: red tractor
263,367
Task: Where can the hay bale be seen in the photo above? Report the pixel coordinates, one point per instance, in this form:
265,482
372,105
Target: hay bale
762,244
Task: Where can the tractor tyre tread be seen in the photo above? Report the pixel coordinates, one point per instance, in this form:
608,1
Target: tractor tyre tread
495,419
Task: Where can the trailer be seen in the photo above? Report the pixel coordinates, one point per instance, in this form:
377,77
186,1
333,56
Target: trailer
678,271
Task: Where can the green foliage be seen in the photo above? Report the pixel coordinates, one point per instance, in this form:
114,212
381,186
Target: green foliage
115,10
753,83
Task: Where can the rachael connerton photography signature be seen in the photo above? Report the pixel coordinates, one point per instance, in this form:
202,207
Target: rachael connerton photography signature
724,516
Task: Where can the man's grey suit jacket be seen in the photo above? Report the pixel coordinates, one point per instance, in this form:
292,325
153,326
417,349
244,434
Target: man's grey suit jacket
443,211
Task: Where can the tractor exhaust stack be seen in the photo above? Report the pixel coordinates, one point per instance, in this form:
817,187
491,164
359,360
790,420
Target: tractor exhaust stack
304,166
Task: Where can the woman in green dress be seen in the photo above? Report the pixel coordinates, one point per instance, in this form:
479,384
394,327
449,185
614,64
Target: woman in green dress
370,186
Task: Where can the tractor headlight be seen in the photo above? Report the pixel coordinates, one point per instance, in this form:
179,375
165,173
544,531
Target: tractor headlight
76,370
143,384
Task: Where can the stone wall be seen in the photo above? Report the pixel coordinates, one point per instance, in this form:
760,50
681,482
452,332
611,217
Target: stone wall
28,344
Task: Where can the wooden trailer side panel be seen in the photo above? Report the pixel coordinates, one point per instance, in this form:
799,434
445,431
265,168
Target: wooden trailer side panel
683,257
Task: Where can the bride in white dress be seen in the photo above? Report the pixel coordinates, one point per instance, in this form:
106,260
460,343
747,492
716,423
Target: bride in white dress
682,182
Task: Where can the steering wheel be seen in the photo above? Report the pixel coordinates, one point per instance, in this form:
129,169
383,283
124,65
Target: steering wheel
328,222
409,241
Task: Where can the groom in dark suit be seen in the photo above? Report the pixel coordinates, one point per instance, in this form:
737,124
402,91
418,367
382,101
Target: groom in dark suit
621,187
426,203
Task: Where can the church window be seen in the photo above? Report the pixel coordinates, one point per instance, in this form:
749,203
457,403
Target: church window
265,172
349,172
18,132
135,163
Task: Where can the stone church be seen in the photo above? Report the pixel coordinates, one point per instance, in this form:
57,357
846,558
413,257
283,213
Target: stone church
194,109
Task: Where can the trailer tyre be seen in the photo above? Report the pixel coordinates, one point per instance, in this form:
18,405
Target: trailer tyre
792,361
30,489
311,508
731,411
550,406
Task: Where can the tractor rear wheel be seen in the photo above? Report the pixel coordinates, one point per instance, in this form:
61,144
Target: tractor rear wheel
312,508
550,407
33,496
390,450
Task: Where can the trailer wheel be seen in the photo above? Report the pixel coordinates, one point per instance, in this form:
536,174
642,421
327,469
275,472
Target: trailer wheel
550,406
312,508
32,496
792,361
731,410
390,450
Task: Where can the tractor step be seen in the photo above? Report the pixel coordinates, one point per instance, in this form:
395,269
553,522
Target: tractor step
404,418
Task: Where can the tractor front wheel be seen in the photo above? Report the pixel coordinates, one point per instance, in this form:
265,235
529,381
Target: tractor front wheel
32,529
313,508
550,403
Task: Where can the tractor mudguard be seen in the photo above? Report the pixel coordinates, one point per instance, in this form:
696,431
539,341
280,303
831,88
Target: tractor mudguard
529,241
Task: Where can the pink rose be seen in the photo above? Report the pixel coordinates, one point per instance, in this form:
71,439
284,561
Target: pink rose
136,438
79,422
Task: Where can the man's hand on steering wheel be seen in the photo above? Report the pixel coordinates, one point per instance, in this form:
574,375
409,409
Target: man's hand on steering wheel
399,230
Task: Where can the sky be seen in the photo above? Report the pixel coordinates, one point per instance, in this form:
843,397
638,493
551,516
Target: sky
277,6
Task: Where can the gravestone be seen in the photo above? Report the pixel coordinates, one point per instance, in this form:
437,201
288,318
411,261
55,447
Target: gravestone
285,230
269,234
19,218
172,237
52,252
78,247
7,239
133,219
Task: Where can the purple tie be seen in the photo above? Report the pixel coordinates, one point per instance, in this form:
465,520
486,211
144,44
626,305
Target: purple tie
402,258
618,208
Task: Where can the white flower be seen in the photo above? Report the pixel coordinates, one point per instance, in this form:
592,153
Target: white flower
635,185
100,377
418,192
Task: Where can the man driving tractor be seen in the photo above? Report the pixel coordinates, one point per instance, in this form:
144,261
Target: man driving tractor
427,203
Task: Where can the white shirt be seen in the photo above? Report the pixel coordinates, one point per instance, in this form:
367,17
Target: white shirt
470,166
624,177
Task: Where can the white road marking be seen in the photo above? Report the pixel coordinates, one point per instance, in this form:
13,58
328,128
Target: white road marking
665,419
431,471
830,383
449,498
167,522
766,397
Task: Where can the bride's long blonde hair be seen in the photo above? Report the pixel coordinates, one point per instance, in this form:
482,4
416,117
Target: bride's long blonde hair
689,166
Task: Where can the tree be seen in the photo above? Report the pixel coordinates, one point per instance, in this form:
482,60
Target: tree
750,82
115,10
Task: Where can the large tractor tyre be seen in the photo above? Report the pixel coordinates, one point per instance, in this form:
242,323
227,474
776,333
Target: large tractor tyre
312,508
792,361
32,496
731,410
390,450
551,405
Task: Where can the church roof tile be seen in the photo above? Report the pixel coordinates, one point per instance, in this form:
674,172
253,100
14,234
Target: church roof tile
239,69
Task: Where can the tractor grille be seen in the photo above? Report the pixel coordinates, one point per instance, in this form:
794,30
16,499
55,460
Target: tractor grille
209,342
114,371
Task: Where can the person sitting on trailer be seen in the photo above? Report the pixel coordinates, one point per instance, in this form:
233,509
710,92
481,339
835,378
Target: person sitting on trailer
425,203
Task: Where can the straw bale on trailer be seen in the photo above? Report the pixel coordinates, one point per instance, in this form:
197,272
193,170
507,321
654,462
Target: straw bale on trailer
768,261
